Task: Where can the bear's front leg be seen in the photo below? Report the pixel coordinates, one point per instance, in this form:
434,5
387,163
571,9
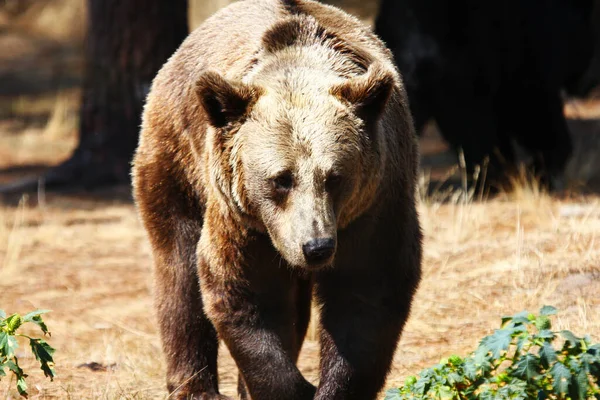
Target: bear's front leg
362,316
256,311
188,338
303,289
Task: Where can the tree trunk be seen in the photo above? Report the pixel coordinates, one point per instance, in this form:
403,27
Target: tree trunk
127,43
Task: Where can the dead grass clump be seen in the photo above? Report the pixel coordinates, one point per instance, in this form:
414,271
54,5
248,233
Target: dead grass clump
64,120
11,240
40,143
60,20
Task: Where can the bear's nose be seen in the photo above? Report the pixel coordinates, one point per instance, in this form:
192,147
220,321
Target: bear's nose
318,250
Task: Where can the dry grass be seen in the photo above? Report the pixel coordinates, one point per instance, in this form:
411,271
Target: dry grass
41,18
47,142
485,260
89,261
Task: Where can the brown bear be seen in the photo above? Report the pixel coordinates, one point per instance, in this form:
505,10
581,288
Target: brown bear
277,162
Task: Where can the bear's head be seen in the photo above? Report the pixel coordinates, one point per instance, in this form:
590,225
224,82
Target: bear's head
297,155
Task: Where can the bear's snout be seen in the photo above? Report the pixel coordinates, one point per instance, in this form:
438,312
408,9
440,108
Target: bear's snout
318,251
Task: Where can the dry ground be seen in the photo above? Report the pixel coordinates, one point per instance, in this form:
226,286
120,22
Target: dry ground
85,256
87,260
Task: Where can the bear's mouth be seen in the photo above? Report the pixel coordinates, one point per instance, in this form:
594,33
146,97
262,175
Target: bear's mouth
320,266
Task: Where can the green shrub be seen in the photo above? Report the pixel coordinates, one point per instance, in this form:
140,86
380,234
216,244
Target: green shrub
8,344
523,359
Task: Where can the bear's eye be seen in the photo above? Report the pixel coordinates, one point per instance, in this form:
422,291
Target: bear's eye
283,183
333,182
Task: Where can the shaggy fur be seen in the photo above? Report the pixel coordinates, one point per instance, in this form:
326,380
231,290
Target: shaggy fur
279,124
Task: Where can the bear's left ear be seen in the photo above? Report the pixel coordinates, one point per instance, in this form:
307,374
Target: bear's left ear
224,101
369,92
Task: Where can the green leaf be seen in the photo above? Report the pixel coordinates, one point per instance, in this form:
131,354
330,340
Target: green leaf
521,319
4,349
29,317
572,340
22,387
486,375
547,355
2,314
36,319
561,377
545,334
487,395
526,368
505,320
470,369
514,320
588,360
594,351
591,363
393,394
542,395
43,353
8,344
543,323
579,386
13,365
453,378
445,393
516,389
410,381
548,310
522,340
424,383
498,342
455,360
481,359
13,323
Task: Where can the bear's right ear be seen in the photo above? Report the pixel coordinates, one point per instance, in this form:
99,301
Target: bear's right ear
224,101
369,92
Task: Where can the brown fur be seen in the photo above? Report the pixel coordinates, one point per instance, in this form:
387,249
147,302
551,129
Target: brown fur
278,124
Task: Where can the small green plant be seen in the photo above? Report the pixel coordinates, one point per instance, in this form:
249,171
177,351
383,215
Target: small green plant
8,344
518,361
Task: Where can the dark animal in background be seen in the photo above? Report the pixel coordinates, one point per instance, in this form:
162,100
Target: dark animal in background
489,72
277,155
